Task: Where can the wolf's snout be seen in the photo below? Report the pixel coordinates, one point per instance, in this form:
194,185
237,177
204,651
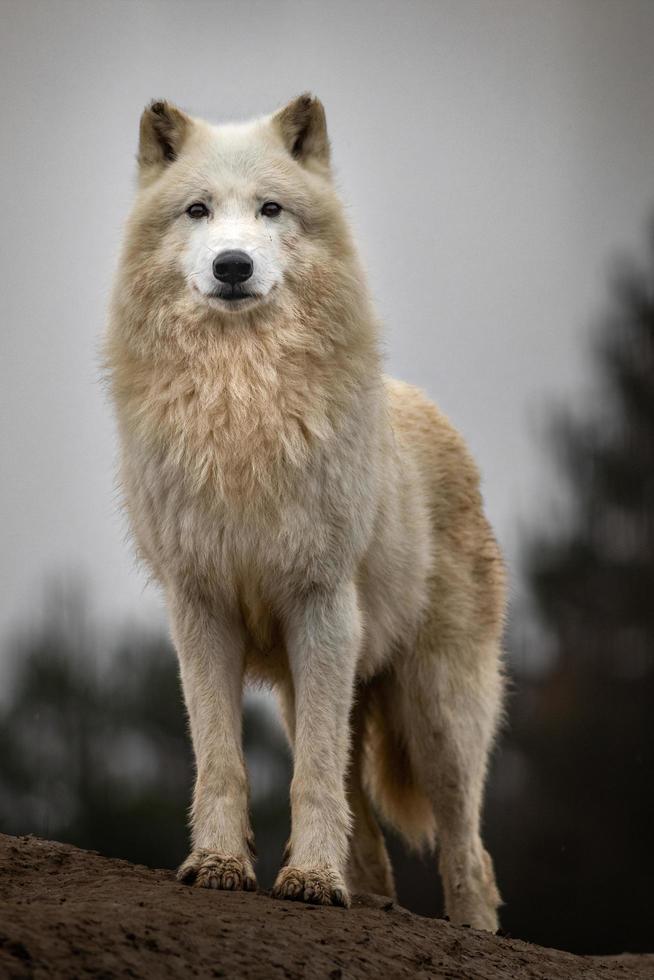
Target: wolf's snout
233,266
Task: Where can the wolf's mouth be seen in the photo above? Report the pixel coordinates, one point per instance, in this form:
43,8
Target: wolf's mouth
232,294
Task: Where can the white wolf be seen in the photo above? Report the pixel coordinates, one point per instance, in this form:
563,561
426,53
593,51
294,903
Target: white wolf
313,524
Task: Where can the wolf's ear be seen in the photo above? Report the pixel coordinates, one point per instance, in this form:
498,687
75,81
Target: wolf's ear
163,130
303,130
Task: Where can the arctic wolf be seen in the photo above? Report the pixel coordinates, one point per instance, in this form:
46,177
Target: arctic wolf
313,524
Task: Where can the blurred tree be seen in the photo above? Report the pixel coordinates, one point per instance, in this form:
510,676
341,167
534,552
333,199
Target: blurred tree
576,844
94,747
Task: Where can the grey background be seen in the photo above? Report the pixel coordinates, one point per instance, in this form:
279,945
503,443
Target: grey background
494,156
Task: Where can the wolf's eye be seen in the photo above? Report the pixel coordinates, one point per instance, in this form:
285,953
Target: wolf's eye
197,210
271,209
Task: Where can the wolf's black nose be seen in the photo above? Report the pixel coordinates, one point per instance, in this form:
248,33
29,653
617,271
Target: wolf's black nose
233,266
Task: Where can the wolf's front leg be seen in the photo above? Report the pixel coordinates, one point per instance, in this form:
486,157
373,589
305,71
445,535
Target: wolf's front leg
323,638
210,646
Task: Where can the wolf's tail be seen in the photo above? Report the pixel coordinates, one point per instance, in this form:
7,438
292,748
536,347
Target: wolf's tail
388,774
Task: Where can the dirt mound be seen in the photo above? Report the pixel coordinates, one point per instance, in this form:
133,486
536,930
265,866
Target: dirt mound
71,913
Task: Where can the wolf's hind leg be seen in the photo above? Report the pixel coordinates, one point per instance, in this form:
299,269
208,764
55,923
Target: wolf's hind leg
210,647
451,703
369,868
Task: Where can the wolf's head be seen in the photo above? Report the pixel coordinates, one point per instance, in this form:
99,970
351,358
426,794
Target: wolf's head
239,219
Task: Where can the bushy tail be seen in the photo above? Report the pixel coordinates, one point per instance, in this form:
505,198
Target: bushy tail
388,774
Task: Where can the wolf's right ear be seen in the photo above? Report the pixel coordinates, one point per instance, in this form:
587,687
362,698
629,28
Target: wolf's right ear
163,130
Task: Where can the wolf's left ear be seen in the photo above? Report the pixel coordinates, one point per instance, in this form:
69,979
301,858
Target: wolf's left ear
163,130
303,130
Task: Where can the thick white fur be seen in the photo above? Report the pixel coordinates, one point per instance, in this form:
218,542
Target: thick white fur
313,525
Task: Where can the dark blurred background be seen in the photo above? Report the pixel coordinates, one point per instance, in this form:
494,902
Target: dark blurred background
495,159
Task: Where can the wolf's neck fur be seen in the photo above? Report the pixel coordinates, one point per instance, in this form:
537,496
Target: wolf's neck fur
243,409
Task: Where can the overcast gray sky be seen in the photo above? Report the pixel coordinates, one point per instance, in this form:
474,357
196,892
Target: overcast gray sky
494,155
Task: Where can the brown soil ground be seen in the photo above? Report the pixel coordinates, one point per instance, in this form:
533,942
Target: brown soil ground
71,913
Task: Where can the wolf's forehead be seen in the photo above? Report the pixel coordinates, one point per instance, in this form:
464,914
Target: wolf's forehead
241,154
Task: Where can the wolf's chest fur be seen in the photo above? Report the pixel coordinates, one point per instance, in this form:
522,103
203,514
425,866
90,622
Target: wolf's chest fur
236,459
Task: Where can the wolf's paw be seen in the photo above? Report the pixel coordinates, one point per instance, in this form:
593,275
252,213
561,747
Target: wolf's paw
320,886
477,918
212,869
